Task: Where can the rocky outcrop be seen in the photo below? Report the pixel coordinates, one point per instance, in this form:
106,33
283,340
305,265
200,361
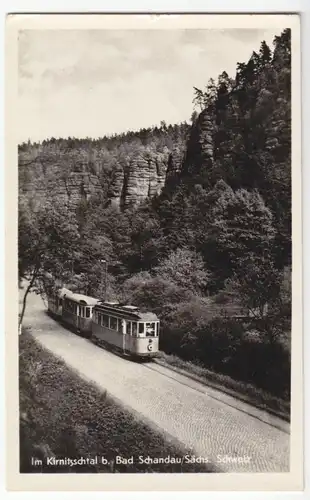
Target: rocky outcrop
174,167
144,175
68,189
141,176
144,178
199,159
77,186
125,181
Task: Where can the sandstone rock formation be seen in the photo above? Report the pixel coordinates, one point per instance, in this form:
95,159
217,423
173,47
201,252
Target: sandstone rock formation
141,176
124,176
76,187
69,190
199,158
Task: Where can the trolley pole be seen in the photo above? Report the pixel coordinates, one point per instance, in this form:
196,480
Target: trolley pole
105,278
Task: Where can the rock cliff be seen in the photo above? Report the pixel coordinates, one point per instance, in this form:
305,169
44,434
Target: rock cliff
70,189
124,173
76,187
199,159
142,176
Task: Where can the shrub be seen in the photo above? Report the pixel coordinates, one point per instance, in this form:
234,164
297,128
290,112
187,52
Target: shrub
185,269
195,332
153,293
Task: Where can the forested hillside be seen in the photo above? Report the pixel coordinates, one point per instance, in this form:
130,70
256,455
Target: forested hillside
194,221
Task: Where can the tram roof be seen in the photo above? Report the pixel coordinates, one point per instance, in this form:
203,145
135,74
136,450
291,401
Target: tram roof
127,311
80,298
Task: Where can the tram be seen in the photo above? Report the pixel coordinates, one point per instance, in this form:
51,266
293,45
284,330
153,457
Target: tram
73,309
121,326
54,303
126,328
77,311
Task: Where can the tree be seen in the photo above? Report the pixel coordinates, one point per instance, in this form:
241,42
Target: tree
242,225
257,288
185,269
146,238
244,231
153,293
45,243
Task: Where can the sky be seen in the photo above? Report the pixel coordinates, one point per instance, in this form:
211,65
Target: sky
91,83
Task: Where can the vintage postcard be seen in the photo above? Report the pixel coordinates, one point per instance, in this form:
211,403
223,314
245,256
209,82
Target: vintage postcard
154,319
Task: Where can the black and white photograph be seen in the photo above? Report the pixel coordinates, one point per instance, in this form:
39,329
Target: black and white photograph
155,248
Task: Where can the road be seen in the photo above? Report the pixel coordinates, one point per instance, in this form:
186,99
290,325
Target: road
227,435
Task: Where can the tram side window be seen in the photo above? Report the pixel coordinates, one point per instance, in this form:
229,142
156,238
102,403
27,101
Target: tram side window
105,320
87,312
128,327
141,328
113,323
120,326
134,329
157,329
70,307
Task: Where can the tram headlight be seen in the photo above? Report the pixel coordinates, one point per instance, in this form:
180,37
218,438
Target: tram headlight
150,347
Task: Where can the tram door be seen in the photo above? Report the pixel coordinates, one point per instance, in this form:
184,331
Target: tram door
81,315
78,316
125,325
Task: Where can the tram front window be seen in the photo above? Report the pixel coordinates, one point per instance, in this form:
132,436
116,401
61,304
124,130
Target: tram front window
150,329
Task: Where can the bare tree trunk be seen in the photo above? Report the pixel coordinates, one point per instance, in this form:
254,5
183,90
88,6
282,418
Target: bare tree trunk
25,299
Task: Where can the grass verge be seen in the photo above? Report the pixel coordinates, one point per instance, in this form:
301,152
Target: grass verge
240,390
62,416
